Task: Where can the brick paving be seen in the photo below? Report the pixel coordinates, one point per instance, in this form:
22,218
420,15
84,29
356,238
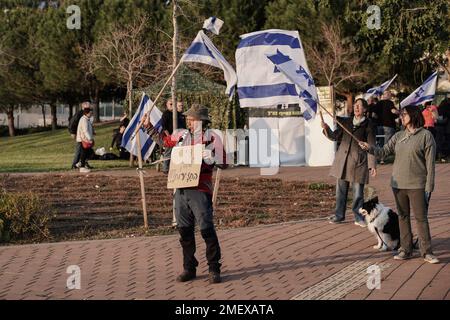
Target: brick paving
296,260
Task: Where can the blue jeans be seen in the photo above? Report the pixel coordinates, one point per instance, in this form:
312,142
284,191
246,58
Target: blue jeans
342,187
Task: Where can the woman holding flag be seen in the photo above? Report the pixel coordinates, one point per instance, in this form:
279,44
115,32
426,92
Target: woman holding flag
412,179
351,165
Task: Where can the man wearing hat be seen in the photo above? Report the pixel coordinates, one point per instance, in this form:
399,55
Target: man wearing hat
195,204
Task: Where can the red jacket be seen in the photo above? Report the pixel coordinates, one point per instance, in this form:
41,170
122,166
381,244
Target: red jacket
206,170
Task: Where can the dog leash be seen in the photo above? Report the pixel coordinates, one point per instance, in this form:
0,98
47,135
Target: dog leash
378,234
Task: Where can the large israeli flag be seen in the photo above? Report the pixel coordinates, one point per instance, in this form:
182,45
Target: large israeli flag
302,79
129,141
423,93
378,91
260,83
202,50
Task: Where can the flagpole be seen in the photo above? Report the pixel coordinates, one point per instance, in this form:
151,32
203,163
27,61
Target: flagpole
340,124
141,179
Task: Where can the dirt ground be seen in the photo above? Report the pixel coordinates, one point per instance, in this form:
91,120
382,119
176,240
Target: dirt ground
99,206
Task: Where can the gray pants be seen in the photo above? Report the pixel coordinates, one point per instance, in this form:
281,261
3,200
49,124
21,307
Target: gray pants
77,155
190,206
415,198
193,205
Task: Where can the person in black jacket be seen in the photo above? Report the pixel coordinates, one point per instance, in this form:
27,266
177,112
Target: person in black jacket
167,127
386,114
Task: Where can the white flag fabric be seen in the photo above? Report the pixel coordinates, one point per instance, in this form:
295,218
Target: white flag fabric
213,24
301,78
378,91
423,93
129,141
202,50
260,83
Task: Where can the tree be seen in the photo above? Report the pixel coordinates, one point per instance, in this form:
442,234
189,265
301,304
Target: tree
123,53
410,31
337,62
19,61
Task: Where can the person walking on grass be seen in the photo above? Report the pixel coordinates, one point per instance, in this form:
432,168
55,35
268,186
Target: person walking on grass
351,164
73,127
85,136
412,179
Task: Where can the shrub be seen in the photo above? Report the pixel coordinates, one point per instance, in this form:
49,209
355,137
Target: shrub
23,215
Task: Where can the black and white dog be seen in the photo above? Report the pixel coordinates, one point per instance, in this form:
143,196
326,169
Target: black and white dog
383,223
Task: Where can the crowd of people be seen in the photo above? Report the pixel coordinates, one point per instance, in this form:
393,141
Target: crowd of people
414,134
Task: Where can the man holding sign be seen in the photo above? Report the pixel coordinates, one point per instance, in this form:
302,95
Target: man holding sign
194,203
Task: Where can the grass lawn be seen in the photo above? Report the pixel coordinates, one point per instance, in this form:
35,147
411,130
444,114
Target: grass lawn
52,151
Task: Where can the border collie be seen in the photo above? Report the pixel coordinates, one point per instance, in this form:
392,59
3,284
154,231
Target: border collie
383,219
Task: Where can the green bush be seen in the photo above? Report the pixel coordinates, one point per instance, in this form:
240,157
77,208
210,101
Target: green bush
23,215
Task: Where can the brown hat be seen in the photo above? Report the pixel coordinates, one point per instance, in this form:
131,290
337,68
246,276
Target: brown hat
199,112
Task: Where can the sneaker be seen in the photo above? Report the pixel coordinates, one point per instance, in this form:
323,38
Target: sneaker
84,170
336,220
402,256
88,166
430,258
186,275
381,161
361,223
214,277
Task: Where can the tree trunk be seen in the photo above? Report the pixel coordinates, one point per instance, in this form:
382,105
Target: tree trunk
130,97
11,128
174,65
97,105
70,111
130,106
43,115
54,118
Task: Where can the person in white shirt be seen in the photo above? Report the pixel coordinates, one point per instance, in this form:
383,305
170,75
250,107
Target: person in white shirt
85,135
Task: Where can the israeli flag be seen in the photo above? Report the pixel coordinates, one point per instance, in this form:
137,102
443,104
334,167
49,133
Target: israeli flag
302,79
213,24
378,91
423,93
202,50
260,83
129,141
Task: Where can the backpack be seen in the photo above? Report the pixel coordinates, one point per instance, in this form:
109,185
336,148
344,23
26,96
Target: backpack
73,122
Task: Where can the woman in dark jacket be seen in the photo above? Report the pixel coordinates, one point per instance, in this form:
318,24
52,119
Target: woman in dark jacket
351,164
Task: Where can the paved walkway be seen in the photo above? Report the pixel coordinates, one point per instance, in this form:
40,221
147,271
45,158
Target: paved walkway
298,260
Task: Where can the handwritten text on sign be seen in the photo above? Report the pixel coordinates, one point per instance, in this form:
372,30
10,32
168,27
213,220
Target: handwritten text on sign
185,167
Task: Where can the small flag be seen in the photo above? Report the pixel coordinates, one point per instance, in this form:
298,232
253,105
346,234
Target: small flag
260,83
213,24
423,93
378,91
147,144
202,50
302,79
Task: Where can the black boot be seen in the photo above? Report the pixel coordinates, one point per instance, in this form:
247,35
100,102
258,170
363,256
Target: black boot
187,275
213,254
187,241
